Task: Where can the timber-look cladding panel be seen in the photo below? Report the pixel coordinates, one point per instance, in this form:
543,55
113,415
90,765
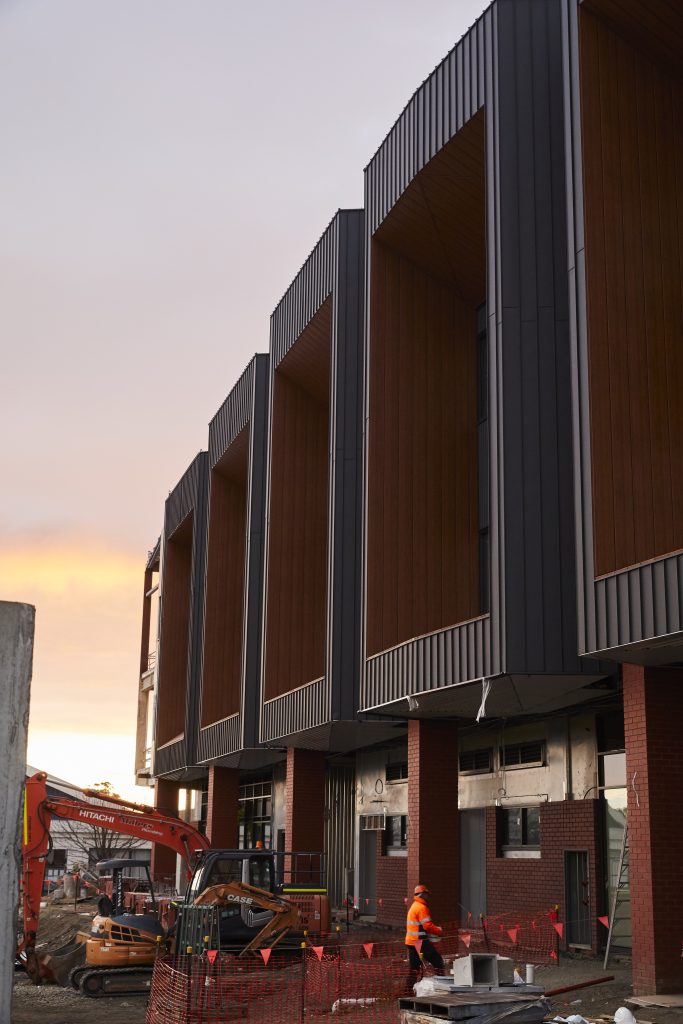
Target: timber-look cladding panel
175,632
298,518
422,551
225,583
632,133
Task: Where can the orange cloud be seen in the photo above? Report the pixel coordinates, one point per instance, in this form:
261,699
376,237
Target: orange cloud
88,599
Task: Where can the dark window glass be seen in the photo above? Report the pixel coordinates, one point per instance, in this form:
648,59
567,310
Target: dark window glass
483,460
484,571
512,830
397,831
532,831
482,377
226,870
260,873
397,772
515,755
520,827
476,761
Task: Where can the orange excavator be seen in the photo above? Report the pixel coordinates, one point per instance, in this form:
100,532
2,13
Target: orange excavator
113,942
118,954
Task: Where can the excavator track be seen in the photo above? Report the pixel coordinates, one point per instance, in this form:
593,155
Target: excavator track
120,981
76,973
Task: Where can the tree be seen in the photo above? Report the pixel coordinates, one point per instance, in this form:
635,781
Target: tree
93,841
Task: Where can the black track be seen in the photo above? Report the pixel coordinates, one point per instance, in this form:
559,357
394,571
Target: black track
140,981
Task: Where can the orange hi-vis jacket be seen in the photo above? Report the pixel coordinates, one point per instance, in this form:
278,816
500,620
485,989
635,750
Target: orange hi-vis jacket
419,924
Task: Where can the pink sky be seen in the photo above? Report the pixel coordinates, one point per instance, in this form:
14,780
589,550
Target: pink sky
166,169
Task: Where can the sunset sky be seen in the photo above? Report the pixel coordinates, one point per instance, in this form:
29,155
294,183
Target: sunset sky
167,166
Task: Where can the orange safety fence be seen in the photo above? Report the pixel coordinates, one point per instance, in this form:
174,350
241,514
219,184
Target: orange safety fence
361,981
194,990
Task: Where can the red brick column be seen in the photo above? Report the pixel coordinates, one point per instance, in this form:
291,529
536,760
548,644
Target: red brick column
653,723
305,800
222,807
433,826
165,800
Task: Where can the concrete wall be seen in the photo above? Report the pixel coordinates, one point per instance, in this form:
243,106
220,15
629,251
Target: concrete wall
570,769
17,623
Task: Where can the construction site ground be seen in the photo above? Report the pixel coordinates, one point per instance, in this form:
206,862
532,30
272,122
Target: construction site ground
49,1004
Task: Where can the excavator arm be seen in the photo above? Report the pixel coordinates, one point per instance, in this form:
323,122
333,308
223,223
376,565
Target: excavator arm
285,914
137,820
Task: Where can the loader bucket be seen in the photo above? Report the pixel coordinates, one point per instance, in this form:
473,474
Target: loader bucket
54,966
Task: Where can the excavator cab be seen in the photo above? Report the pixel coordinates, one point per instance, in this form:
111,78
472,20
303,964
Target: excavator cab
299,877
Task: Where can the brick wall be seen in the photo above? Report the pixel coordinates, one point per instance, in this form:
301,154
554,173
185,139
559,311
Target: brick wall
433,822
529,885
222,807
391,886
653,722
305,800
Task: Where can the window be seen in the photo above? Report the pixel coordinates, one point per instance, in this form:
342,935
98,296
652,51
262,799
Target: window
483,460
260,873
225,870
396,832
397,772
255,810
476,761
153,635
204,808
523,755
519,829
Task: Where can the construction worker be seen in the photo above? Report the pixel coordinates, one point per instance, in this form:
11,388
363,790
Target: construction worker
419,926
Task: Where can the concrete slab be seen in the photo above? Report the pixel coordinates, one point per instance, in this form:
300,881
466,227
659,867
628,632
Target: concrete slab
661,1002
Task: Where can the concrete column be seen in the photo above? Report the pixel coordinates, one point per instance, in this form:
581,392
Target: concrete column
305,800
653,724
433,824
17,623
223,805
165,800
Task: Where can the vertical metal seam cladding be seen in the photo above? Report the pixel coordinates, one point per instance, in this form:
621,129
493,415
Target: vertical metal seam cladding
455,90
636,603
513,50
189,495
329,271
246,405
234,414
413,140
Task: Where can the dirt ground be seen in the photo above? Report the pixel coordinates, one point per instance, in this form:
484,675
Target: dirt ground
52,1005
48,1004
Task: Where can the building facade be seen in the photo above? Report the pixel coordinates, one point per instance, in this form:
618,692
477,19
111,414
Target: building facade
624,160
439,633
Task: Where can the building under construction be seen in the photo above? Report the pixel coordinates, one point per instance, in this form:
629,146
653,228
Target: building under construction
420,603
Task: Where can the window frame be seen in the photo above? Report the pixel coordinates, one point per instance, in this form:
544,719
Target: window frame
473,753
390,848
523,849
521,764
402,768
